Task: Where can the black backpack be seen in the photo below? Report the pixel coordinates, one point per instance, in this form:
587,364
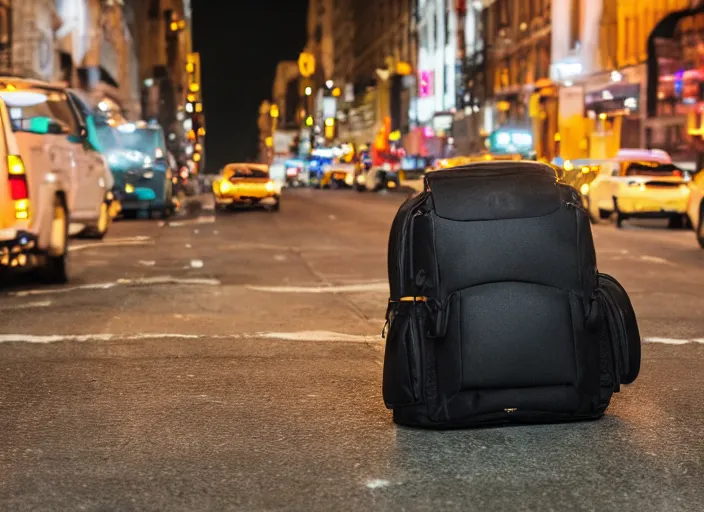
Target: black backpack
497,311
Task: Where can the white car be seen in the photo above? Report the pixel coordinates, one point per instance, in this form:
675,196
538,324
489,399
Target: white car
66,154
636,183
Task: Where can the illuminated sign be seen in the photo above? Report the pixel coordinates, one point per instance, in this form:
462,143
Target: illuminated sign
425,84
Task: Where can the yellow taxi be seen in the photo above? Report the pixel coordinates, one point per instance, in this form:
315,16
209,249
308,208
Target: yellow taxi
246,184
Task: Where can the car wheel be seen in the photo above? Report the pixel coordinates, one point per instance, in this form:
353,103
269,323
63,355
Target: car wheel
55,269
604,214
276,207
99,231
619,220
700,227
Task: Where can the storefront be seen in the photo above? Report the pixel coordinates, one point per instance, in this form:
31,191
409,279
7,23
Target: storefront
675,95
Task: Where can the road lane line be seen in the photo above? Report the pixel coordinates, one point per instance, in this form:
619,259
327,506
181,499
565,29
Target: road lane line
142,281
382,286
145,263
123,242
317,336
669,341
197,264
377,483
655,259
28,305
191,222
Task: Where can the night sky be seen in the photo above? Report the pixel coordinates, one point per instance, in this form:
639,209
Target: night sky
240,42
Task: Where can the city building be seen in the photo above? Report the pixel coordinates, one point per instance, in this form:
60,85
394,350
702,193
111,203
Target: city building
321,39
518,37
471,120
383,82
599,61
286,95
674,104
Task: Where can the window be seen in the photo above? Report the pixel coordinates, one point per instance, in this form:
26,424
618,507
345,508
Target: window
46,103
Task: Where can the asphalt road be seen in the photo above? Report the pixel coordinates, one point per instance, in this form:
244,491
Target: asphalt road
234,363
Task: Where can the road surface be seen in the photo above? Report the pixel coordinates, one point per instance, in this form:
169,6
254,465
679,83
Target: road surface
234,363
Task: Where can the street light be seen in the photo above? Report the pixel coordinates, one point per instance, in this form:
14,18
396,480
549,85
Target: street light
308,91
329,84
309,121
274,111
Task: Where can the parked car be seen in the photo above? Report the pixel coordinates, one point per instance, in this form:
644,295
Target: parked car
634,184
695,206
34,200
137,156
66,149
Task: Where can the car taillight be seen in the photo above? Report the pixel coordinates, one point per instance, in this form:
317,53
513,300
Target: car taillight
19,190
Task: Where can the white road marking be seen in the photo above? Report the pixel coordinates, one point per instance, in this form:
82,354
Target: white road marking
189,246
28,305
129,282
57,338
655,259
115,242
145,263
377,483
670,341
279,257
332,217
197,264
191,222
381,286
317,336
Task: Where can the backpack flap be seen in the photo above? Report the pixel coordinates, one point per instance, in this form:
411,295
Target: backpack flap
621,327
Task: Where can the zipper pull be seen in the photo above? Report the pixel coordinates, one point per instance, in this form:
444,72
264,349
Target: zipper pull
385,329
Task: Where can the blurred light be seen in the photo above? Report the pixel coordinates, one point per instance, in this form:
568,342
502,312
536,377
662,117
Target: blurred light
477,4
523,26
191,135
395,135
616,76
127,127
607,95
103,106
476,108
503,138
199,147
199,107
602,116
630,103
172,136
330,122
270,186
274,111
189,108
182,24
190,68
329,84
309,121
191,98
180,115
584,189
336,92
173,26
308,91
159,153
569,83
450,141
148,82
201,131
194,87
269,142
568,166
196,157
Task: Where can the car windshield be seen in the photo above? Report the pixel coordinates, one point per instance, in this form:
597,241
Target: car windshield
245,172
652,169
143,140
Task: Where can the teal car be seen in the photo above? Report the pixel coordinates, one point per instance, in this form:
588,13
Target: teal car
137,156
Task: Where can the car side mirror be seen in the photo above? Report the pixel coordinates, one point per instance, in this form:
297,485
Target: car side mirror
79,138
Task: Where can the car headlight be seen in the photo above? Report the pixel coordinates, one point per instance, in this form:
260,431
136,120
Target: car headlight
270,186
584,189
225,187
148,175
